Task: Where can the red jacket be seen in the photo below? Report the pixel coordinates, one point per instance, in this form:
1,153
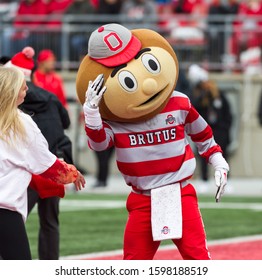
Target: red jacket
57,8
37,8
51,82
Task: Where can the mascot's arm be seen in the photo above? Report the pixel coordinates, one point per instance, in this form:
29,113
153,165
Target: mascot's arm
100,139
201,133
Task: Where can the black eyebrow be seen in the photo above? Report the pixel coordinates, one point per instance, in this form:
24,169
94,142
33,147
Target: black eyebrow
117,69
142,51
124,65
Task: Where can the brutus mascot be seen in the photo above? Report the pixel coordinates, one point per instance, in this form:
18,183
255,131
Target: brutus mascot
126,85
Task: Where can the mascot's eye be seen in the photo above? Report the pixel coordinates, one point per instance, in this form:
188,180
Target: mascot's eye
127,81
151,63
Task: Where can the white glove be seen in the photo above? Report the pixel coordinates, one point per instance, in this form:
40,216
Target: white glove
94,94
221,182
221,170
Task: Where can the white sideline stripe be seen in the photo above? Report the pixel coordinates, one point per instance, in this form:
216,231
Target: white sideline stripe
231,205
81,205
71,205
166,247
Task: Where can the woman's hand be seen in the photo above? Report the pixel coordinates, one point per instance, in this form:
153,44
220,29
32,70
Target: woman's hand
79,182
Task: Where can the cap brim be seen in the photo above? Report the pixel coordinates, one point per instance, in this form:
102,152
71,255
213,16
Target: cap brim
124,56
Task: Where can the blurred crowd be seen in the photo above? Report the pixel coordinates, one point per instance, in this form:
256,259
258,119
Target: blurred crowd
225,29
229,31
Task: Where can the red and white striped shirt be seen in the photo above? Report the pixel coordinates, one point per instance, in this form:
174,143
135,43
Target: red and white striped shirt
156,152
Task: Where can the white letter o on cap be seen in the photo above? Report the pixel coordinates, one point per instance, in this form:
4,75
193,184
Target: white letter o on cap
113,41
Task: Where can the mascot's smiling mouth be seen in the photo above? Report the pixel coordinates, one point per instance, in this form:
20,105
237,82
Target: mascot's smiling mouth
154,97
150,99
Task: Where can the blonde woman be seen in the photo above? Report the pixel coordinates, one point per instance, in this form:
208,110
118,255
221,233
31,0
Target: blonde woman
24,152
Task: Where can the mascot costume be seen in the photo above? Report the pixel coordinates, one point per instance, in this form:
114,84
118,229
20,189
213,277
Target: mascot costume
126,86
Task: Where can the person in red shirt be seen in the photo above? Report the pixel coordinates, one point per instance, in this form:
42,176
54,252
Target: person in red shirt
46,77
247,27
29,19
187,6
26,9
56,9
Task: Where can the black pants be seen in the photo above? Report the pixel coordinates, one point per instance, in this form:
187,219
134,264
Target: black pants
48,212
103,163
14,244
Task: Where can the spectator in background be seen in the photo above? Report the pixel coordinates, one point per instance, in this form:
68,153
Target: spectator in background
216,31
56,10
187,6
51,118
79,38
37,20
162,2
109,8
57,7
232,7
95,3
8,6
4,59
214,107
247,27
103,159
259,115
183,84
187,25
140,11
8,9
46,77
29,22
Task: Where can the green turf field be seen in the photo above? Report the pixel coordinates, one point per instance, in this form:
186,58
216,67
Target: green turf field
92,223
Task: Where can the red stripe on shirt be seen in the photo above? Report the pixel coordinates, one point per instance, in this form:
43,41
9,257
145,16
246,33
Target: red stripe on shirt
211,151
95,135
177,103
203,135
155,167
192,115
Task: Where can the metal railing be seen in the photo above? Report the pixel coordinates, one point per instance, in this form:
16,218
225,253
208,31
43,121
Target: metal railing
205,40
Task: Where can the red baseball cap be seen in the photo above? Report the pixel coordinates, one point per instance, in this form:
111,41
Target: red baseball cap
112,45
44,55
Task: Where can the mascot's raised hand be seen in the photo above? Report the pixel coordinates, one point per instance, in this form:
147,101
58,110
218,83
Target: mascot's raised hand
95,92
94,95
